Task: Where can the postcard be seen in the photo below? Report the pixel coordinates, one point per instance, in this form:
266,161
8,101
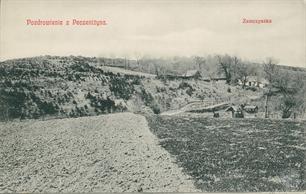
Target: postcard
152,96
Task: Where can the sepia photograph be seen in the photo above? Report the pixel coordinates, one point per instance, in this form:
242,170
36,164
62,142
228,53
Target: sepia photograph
137,96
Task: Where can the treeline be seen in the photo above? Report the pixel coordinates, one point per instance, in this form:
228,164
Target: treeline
209,65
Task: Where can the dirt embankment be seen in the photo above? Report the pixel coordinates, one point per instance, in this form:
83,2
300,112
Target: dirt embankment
112,153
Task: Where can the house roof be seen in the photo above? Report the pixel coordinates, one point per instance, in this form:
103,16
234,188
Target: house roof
232,108
250,107
190,73
256,79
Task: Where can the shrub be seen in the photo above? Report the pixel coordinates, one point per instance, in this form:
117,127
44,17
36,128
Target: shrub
189,91
121,88
146,97
184,85
155,108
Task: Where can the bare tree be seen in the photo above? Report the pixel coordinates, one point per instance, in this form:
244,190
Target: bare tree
226,65
156,69
243,71
138,58
101,61
125,63
271,73
232,68
288,86
293,91
243,74
199,61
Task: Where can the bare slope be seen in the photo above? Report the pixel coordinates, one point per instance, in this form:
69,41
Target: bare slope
111,153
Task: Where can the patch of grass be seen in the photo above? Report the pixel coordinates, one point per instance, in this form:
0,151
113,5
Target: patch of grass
243,155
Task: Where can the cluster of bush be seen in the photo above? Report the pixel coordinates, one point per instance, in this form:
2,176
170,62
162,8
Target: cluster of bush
121,88
102,105
79,111
20,104
149,101
27,91
188,87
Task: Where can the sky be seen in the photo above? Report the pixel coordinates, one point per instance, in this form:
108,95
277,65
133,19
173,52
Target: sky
157,28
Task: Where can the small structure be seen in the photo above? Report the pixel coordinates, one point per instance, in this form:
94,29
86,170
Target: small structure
192,74
216,115
250,111
237,111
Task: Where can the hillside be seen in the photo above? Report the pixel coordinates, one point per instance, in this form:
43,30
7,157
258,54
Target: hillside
57,87
110,153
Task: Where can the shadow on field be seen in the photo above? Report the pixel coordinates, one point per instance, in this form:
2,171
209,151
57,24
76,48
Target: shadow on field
242,155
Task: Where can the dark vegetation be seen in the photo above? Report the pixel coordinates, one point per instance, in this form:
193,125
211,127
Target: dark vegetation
150,101
188,87
286,87
47,87
240,155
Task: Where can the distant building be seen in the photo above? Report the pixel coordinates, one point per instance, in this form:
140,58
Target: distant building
195,74
255,81
247,111
236,111
250,109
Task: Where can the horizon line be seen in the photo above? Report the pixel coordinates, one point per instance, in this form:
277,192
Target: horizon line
149,57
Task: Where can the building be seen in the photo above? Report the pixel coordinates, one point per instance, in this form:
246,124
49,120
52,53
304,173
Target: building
250,111
237,112
255,82
192,74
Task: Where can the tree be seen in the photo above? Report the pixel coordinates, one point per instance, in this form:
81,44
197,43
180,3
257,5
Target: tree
199,61
242,72
156,69
293,91
4,113
225,63
101,61
229,66
138,58
126,62
288,86
271,73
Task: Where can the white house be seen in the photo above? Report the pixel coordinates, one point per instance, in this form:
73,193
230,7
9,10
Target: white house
255,81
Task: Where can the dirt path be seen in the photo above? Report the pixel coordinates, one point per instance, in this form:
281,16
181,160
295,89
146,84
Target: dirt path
112,153
126,71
